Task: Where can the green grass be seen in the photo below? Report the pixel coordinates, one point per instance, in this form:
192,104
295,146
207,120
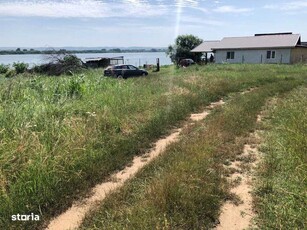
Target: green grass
281,191
184,188
61,135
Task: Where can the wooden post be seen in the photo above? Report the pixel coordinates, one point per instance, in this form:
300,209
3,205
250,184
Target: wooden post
206,58
158,64
261,59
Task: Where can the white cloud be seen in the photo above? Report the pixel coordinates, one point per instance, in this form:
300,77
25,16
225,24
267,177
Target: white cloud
80,8
232,9
192,4
202,9
289,6
190,20
187,3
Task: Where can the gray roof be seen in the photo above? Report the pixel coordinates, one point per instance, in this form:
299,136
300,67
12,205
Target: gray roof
267,41
252,42
206,46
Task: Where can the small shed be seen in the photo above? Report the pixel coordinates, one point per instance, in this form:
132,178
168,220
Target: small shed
98,62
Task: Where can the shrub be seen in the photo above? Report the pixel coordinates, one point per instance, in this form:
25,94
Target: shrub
67,64
10,73
20,67
4,68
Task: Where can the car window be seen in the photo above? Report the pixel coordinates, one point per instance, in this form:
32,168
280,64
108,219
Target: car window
118,67
132,67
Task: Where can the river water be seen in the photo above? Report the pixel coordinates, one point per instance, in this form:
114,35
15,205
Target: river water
137,59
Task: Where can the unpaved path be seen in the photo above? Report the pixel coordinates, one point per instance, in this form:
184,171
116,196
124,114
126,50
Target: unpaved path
73,217
239,215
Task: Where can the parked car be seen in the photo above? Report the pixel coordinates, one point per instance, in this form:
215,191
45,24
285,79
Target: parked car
186,62
124,71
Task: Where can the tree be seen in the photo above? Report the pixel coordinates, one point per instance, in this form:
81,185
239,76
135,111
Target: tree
116,50
182,48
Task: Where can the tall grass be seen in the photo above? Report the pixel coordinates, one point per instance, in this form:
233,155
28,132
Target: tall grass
184,188
281,192
61,135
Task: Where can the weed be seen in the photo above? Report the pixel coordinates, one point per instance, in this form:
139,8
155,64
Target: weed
236,182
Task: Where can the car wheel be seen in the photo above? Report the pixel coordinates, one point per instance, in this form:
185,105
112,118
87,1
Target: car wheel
144,74
120,76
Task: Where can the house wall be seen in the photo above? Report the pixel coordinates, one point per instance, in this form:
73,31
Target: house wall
298,55
254,56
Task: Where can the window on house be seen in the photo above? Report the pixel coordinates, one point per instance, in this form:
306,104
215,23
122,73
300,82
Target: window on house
270,54
230,55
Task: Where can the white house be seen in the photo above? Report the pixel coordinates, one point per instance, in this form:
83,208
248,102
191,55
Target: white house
285,48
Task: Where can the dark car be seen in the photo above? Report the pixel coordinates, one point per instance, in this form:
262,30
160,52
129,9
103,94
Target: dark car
124,71
186,62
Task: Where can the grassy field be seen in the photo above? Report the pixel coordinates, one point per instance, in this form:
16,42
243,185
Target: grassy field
61,135
185,188
282,189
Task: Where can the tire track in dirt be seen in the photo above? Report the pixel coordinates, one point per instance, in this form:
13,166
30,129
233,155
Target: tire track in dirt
73,217
239,215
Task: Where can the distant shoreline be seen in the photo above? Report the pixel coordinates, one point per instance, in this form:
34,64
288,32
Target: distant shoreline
64,51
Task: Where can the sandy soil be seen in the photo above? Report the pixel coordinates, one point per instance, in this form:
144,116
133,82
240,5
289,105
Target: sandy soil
239,215
73,217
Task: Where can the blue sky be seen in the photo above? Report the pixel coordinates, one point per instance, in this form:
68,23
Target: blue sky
123,23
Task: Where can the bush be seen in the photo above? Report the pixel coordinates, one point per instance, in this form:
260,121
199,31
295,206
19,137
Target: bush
10,73
20,67
67,64
4,68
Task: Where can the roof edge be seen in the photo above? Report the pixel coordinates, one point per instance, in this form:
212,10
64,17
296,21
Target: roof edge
257,48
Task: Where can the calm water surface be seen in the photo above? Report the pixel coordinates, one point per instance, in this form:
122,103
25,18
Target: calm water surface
137,59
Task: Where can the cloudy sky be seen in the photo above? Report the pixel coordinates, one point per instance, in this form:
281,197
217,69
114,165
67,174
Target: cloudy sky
154,23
